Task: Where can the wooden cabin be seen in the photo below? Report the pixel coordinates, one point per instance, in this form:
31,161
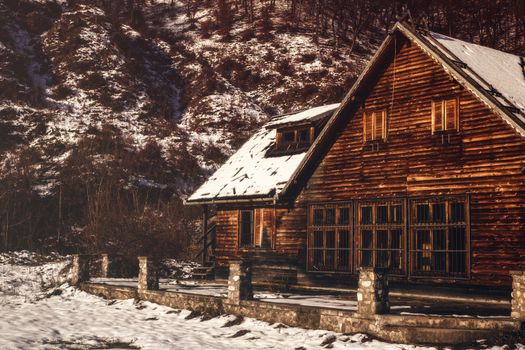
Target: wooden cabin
420,169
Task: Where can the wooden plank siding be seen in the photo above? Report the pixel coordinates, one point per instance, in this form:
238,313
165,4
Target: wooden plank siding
287,230
483,161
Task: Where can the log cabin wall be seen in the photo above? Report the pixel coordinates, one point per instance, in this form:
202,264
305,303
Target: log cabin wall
483,162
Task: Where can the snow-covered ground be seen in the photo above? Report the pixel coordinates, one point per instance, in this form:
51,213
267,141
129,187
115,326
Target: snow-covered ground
40,311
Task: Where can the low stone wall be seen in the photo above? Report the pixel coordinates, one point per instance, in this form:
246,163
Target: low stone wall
412,329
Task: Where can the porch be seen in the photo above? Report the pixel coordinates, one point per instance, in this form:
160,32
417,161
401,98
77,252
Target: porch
396,315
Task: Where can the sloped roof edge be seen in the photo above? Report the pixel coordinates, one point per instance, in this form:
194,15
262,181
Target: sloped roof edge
433,51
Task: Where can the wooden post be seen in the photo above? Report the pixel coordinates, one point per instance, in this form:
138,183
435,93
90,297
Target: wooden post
204,234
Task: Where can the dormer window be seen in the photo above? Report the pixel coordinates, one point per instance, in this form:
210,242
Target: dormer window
293,140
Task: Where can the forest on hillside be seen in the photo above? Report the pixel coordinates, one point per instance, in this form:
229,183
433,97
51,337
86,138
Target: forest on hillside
113,111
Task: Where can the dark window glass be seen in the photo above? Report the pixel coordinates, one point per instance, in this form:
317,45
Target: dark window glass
366,215
438,213
381,214
289,136
344,216
422,213
304,136
457,212
318,249
330,216
318,217
330,249
246,227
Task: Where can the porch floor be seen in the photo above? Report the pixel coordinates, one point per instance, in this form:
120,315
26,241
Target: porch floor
401,302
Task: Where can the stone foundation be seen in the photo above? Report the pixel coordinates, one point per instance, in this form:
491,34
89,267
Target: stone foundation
148,274
80,269
240,282
372,292
518,295
413,329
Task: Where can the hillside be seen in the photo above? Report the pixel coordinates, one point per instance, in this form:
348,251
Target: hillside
101,103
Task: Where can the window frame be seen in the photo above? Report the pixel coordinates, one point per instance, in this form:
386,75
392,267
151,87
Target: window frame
414,227
384,125
336,227
374,227
443,100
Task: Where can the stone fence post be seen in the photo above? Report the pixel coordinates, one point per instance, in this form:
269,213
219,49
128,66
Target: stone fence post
148,274
518,295
240,282
372,292
107,266
80,269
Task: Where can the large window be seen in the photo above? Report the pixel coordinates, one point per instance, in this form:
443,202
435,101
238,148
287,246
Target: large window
375,126
381,235
439,237
445,115
330,238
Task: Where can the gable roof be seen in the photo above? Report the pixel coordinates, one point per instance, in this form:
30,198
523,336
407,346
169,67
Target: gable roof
251,175
495,77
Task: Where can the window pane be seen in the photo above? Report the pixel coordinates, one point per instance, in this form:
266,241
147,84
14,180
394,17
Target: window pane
382,247
318,217
381,214
366,239
397,238
304,136
379,125
289,136
330,216
246,227
451,114
366,215
438,213
457,212
440,240
330,251
438,115
344,216
318,252
368,126
343,260
457,238
422,213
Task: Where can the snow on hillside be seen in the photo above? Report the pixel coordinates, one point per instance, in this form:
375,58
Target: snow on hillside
41,312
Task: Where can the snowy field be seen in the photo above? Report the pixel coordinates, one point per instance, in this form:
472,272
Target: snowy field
40,311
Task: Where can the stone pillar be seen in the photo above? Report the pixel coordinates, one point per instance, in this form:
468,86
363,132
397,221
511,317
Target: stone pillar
80,269
240,282
107,266
372,292
148,275
518,295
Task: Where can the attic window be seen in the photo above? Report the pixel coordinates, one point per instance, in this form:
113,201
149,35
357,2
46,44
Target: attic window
375,126
293,140
445,115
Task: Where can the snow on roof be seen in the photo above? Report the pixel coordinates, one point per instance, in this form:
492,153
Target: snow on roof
249,172
502,71
306,115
